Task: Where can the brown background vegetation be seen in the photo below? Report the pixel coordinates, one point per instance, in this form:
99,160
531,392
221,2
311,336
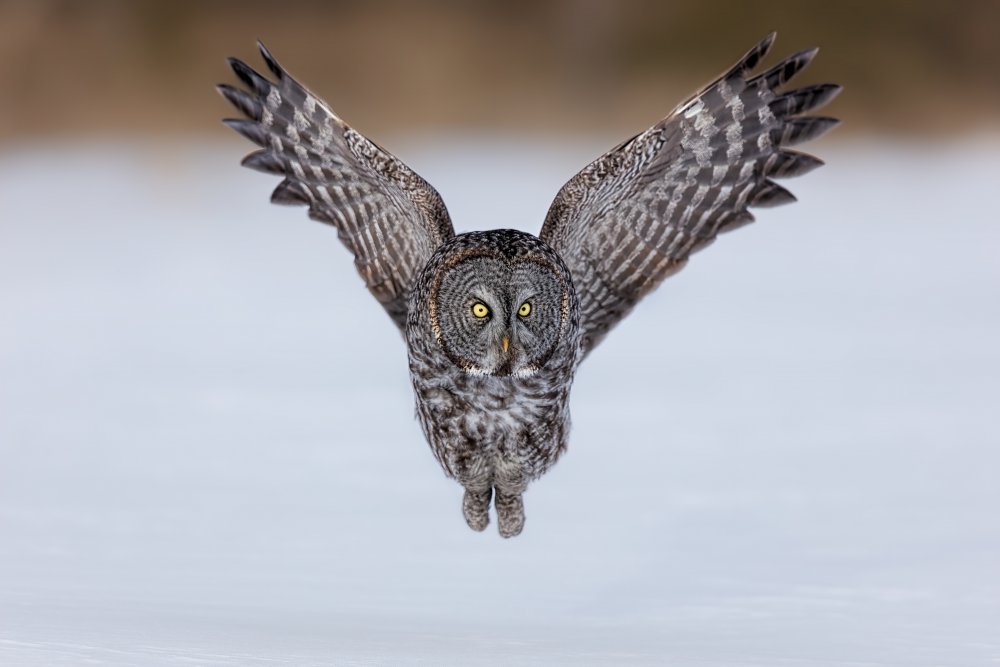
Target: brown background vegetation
148,67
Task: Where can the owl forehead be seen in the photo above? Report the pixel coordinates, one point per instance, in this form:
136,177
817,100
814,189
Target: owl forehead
495,272
509,244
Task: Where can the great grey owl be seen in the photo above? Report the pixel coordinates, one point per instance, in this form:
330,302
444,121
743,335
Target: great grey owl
497,322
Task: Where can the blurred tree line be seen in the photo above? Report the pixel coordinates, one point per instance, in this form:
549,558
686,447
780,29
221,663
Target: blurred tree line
147,67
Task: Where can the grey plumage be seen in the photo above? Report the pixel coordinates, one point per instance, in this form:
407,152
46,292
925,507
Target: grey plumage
634,216
386,214
497,322
496,426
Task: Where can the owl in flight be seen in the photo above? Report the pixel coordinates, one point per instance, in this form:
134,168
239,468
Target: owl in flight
497,322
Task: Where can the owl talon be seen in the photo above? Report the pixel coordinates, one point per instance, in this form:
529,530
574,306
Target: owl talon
510,514
476,507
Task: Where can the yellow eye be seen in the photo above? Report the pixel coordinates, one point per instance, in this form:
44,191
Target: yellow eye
524,310
480,310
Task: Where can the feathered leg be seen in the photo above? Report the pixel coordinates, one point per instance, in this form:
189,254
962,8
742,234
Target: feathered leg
510,513
476,507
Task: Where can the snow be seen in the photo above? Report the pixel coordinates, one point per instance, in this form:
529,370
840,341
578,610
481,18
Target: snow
787,455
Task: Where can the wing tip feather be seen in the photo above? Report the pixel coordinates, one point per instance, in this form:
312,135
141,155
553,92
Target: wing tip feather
247,128
249,105
800,130
771,194
263,160
787,164
803,100
290,193
249,76
270,60
757,53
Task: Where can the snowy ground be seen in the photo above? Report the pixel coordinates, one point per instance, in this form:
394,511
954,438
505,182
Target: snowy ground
787,456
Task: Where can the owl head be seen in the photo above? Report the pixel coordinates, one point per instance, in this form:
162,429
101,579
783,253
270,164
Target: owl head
498,302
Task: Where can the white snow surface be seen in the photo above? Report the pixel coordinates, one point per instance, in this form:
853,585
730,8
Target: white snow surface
787,455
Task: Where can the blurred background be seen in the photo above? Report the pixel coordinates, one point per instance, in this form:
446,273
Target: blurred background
786,455
145,68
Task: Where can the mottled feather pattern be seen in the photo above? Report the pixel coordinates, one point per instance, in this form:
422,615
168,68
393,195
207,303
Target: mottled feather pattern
635,215
492,433
385,214
496,323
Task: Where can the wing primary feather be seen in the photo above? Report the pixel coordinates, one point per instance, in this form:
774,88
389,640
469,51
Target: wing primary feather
786,164
753,56
320,215
801,100
264,161
770,194
290,193
249,76
782,73
271,61
741,219
800,130
249,129
249,105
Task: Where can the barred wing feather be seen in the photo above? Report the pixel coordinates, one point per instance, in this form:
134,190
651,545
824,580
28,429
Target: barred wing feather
634,216
386,214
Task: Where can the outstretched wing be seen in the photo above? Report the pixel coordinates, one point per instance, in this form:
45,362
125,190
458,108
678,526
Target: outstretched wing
633,216
386,214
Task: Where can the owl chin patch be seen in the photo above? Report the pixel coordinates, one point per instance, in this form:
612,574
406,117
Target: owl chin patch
502,372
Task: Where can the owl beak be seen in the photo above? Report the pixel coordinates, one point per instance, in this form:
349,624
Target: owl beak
506,343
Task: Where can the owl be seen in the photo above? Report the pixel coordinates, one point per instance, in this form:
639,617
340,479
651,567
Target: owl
497,322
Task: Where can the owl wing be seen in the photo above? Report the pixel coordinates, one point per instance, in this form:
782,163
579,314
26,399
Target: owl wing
634,216
385,213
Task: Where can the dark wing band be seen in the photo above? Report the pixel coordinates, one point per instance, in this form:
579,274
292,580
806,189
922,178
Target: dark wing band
386,214
634,216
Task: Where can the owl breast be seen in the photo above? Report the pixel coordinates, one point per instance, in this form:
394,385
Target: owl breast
482,427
